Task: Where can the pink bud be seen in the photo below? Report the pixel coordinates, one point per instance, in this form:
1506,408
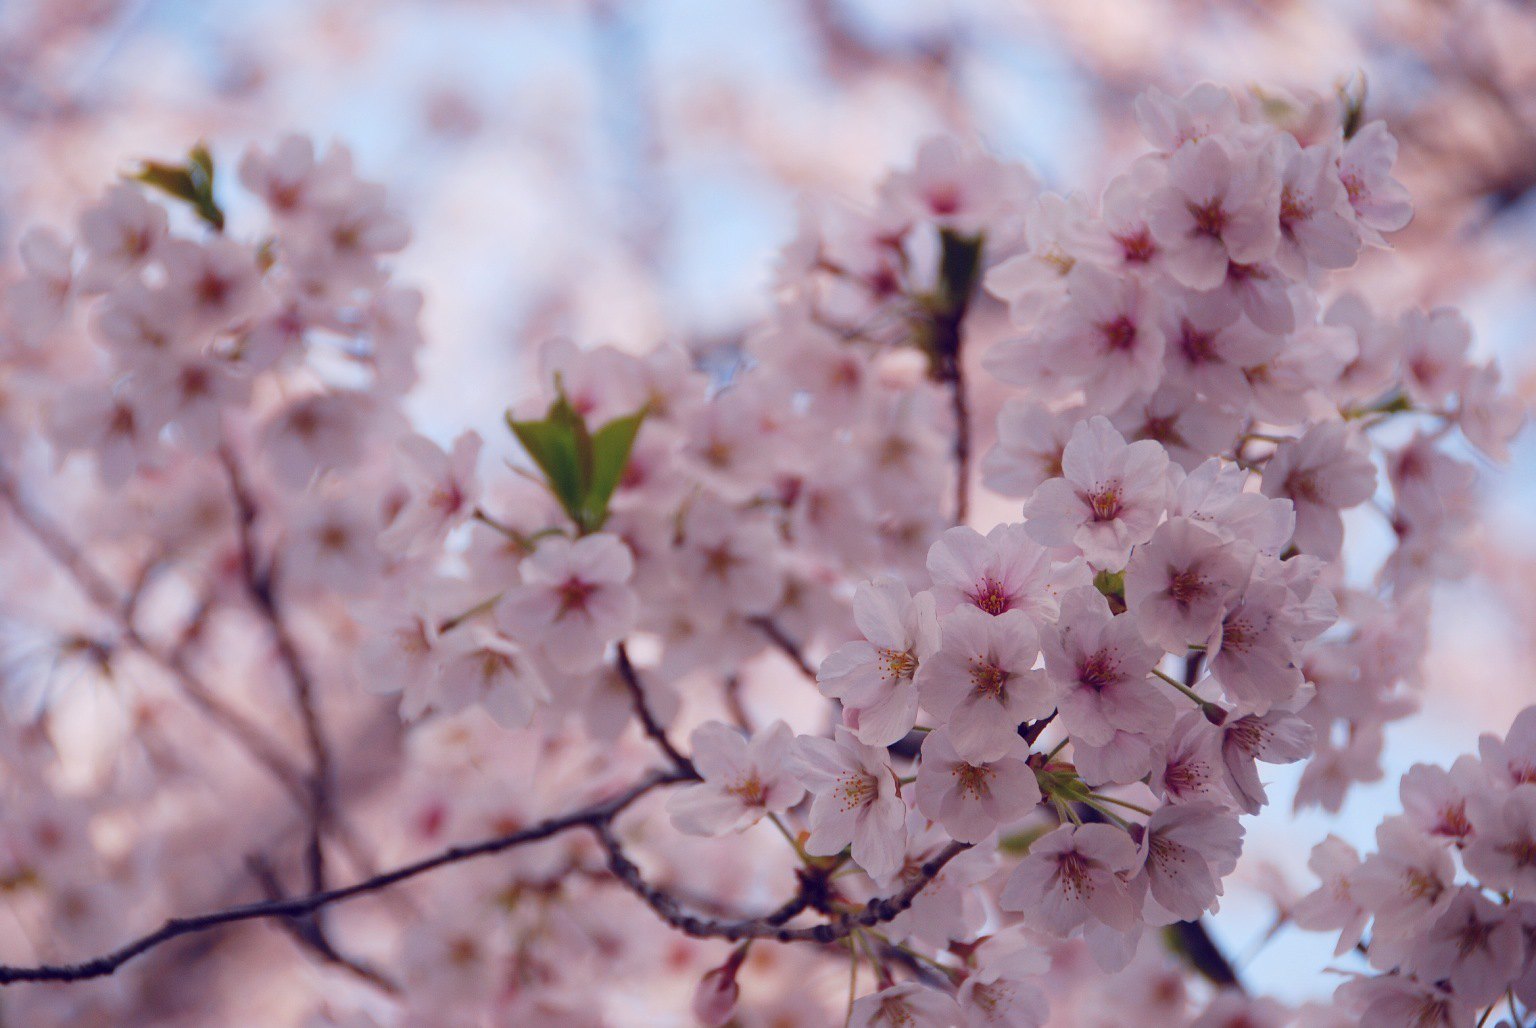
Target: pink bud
715,998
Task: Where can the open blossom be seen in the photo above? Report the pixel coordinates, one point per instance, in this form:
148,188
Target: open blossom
121,233
1217,208
1190,769
574,599
1109,499
982,681
875,678
1170,122
1072,874
1101,668
1252,653
855,801
1314,229
975,792
1502,853
1476,945
729,559
904,1005
743,779
1186,850
1178,583
443,491
1001,571
956,189
1379,201
1277,737
1030,441
1333,907
1322,473
1105,340
1001,991
484,667
1405,884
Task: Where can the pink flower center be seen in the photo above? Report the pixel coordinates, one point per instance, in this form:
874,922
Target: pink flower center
573,594
899,664
1186,586
1120,334
989,679
1105,502
973,779
1210,218
990,596
1073,868
944,199
1196,346
1137,248
750,790
1098,671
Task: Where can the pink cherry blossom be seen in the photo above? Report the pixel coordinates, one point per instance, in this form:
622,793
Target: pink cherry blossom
1072,874
981,682
856,801
1186,850
1004,570
1110,498
1216,209
875,678
1179,583
903,1005
1323,472
573,599
1101,668
744,779
1365,168
443,491
975,792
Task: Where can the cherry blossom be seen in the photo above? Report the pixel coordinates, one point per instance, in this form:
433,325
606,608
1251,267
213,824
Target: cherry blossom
573,599
1110,497
855,801
744,779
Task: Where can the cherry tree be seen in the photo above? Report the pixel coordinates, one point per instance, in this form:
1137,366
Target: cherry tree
749,691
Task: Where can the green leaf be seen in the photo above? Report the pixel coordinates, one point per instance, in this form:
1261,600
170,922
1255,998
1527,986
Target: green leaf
611,445
191,182
552,445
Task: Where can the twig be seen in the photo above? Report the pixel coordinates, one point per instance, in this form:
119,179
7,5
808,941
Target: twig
653,728
300,906
666,906
260,587
786,645
307,932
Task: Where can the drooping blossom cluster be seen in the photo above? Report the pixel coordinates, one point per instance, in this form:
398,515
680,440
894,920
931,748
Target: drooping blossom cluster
1011,748
1444,908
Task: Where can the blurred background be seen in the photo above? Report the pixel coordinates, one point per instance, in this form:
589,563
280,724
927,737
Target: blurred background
624,171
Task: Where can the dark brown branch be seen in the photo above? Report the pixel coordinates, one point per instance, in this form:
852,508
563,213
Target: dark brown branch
959,271
308,933
786,645
653,728
263,594
666,906
300,906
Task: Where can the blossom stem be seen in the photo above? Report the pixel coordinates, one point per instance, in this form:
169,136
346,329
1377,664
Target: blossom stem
1204,704
1122,803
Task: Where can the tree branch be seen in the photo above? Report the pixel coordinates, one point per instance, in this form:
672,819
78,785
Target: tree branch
786,645
259,585
666,906
301,906
658,734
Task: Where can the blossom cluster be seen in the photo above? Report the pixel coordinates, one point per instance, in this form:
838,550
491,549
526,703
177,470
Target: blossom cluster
1449,896
1040,738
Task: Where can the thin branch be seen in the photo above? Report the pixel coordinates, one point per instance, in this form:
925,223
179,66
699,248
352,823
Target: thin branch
261,589
308,933
301,906
786,645
666,906
653,728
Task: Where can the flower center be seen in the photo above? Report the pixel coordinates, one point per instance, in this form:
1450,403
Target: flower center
974,779
1105,502
1210,218
990,596
989,679
899,664
573,593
